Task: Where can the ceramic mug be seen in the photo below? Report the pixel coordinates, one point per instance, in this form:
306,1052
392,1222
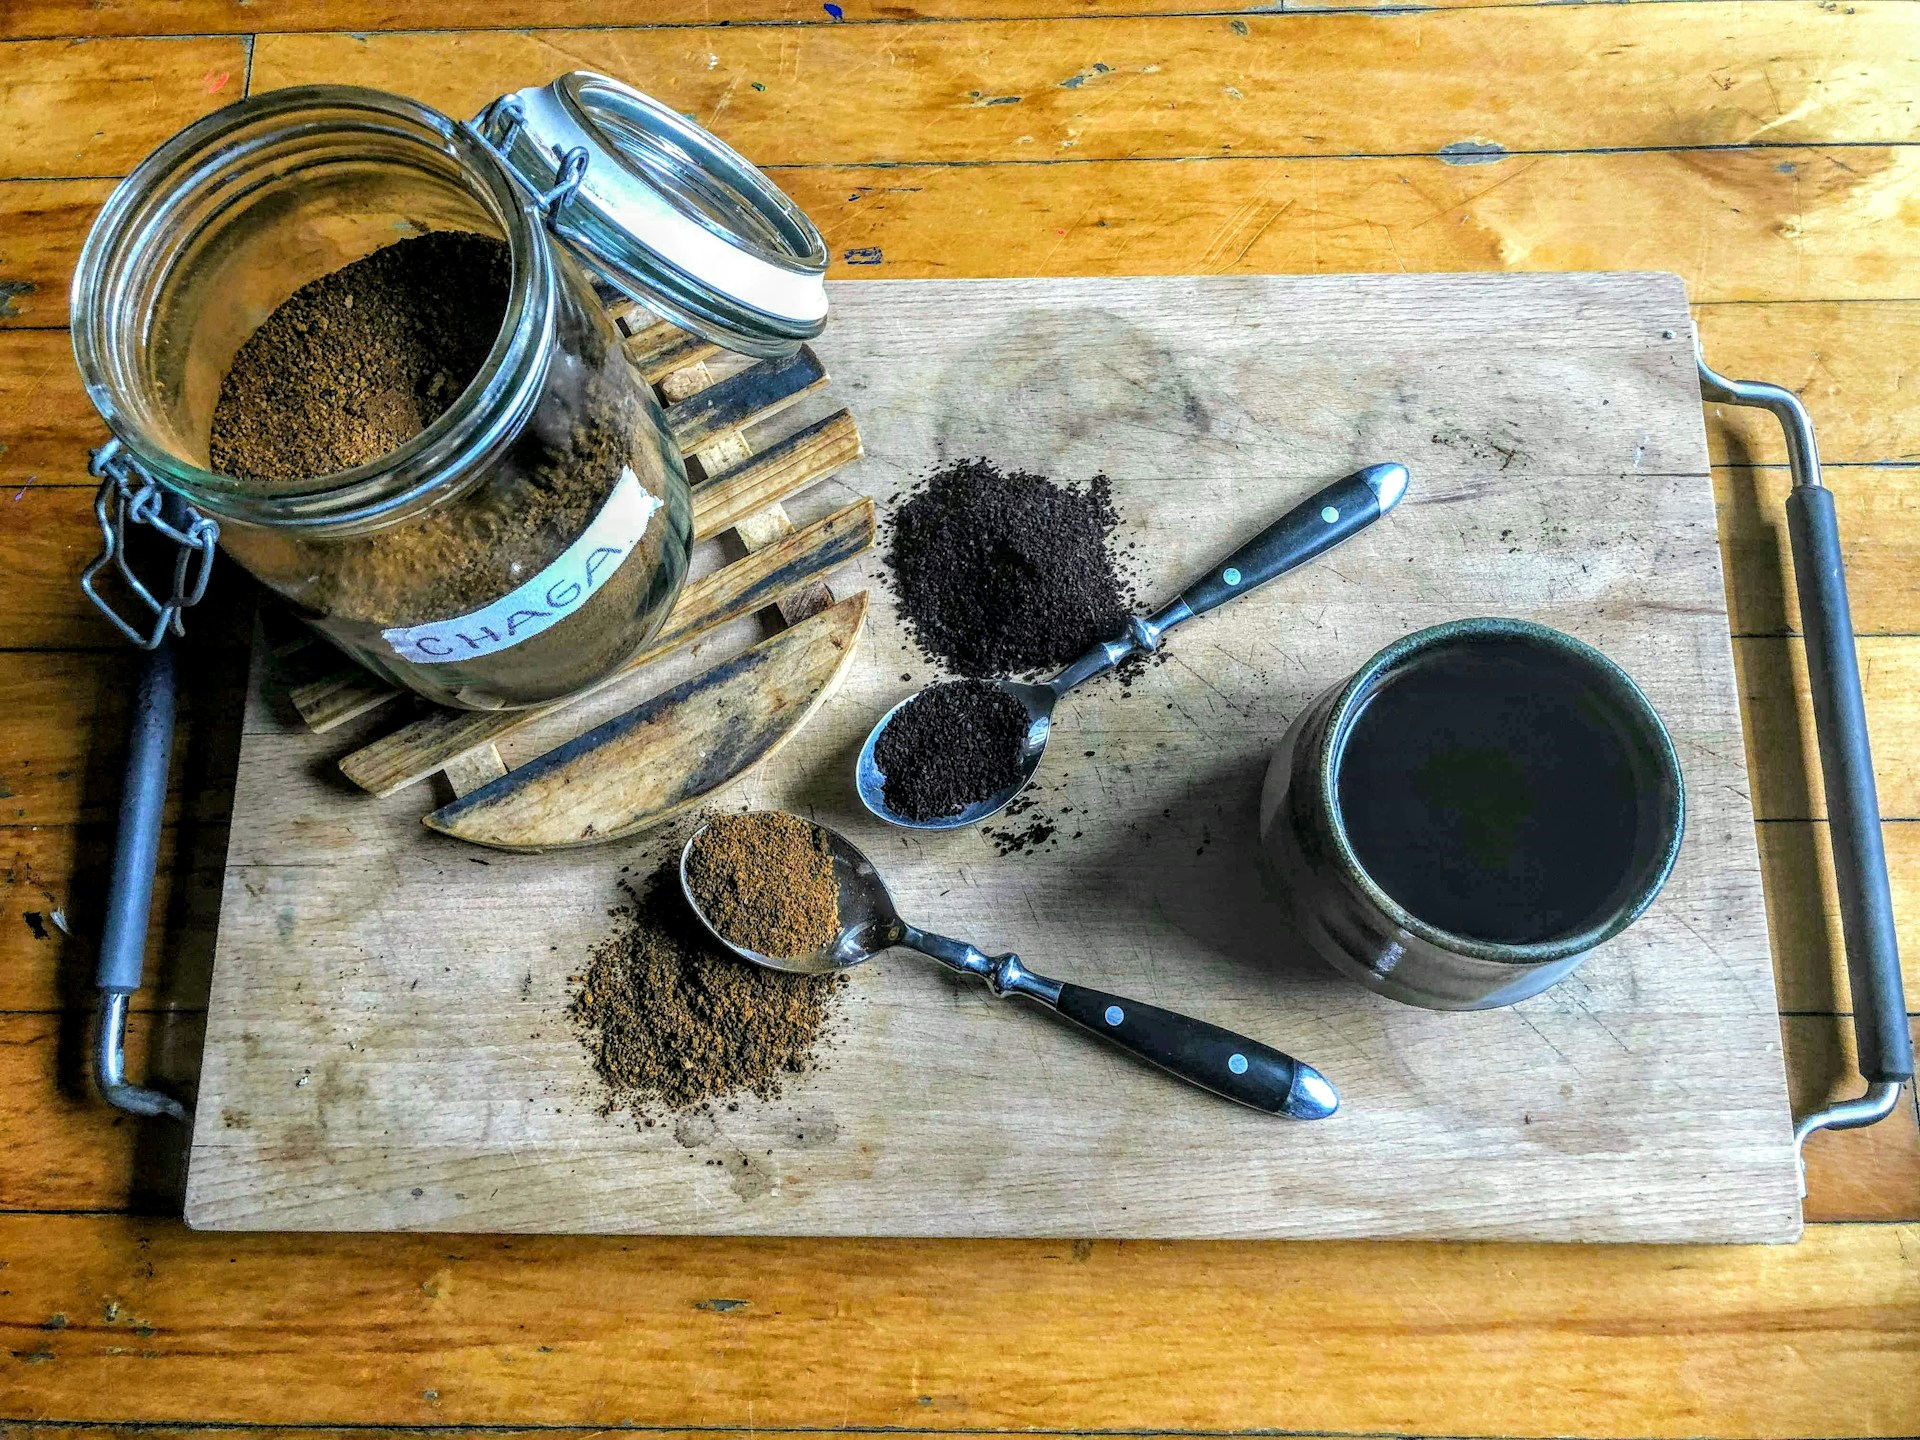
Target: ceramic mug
1464,820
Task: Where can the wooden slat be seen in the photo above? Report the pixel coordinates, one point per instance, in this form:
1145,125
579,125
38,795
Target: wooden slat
722,409
670,752
660,348
1575,77
784,468
1814,1338
1870,1174
1803,911
419,748
1778,716
55,876
97,108
1851,364
341,693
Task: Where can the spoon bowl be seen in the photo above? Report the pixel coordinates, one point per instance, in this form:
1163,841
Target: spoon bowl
869,923
871,781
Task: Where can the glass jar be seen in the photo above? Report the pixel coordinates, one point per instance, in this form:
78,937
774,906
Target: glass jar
532,539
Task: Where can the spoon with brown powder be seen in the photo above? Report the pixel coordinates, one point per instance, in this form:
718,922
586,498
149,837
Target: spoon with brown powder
728,892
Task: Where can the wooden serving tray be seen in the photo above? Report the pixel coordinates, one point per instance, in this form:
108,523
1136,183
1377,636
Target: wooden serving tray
386,1048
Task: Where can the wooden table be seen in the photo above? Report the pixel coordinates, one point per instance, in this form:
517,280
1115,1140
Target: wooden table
1765,151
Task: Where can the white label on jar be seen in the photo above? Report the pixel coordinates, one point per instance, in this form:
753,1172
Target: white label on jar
549,597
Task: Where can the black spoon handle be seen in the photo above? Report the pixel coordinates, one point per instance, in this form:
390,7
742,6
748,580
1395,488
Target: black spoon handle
1313,527
1229,1065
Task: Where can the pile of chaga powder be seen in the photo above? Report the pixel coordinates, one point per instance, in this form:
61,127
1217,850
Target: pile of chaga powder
765,881
672,1022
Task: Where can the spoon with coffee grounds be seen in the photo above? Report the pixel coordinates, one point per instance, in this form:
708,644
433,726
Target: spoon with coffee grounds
1306,532
1229,1065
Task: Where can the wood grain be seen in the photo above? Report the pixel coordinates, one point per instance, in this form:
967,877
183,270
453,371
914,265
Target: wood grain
97,108
1878,1176
1879,516
684,747
1777,708
1497,391
1849,363
208,17
1689,75
42,226
1715,216
1803,907
53,885
1401,1339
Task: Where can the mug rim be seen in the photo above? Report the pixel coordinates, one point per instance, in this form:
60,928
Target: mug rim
1634,704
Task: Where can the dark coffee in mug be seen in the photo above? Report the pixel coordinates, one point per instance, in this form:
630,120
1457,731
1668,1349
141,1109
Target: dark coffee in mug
1486,791
1473,812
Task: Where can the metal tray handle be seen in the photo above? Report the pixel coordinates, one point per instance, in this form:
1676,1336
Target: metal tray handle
1881,1035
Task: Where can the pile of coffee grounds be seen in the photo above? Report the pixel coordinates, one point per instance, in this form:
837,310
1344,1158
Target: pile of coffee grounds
1000,572
951,746
357,363
672,1022
765,881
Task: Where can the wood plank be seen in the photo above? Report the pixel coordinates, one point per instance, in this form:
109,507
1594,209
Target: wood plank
1575,77
76,1153
53,885
1778,714
1708,215
42,18
1803,909
1849,363
42,226
1868,1174
1403,1339
681,748
1879,514
722,409
97,108
62,729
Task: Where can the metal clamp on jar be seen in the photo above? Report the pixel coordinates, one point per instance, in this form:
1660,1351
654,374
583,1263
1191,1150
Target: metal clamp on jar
445,566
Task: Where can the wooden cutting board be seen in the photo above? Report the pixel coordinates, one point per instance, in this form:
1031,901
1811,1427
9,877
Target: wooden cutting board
386,1047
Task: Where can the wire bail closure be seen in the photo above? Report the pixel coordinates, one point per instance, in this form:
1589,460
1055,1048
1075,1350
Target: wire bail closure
129,496
509,114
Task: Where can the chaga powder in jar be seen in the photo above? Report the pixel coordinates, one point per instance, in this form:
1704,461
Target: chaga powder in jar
370,344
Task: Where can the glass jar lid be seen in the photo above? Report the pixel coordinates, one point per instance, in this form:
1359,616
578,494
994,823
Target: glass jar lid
665,211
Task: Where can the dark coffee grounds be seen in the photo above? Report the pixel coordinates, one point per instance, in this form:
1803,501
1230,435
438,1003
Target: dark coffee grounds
1001,572
355,364
766,882
952,746
673,1022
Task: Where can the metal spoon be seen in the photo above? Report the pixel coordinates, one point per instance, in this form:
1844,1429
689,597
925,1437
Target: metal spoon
1304,533
1230,1065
